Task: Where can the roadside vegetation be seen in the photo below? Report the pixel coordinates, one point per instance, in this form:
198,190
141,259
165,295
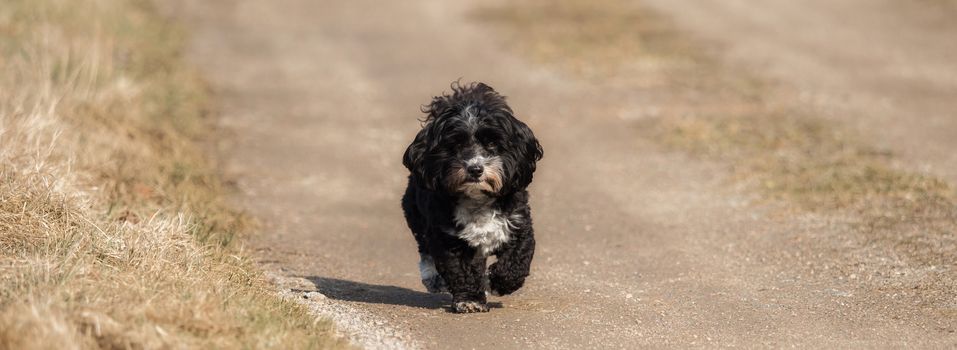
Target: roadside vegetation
805,164
114,232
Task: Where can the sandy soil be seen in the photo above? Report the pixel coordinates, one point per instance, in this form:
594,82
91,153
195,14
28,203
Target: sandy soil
637,246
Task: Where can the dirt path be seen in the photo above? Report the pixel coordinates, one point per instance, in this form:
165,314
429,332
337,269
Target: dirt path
636,246
886,67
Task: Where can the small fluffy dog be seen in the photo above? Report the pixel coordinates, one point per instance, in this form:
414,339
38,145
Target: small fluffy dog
466,198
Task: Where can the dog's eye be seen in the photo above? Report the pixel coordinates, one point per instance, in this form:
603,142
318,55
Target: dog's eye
487,138
488,142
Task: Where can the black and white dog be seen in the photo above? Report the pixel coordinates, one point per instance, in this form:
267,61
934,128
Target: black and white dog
466,199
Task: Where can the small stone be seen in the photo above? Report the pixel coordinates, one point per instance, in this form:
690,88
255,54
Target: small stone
629,296
313,295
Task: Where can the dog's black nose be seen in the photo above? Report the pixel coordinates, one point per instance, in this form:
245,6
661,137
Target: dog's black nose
475,170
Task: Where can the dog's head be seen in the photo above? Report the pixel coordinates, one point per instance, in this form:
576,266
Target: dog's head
472,145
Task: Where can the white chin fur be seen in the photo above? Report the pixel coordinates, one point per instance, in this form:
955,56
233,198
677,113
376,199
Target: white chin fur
476,190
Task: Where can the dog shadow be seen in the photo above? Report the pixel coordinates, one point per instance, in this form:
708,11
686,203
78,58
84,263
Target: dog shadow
339,289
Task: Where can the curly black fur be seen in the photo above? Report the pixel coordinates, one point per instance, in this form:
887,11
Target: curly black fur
466,198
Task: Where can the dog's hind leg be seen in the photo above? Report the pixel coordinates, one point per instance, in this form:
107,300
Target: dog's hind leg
514,261
431,279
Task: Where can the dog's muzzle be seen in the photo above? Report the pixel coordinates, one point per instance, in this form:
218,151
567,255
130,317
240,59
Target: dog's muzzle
479,177
475,172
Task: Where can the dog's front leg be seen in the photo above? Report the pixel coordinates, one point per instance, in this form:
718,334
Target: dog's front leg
464,271
514,262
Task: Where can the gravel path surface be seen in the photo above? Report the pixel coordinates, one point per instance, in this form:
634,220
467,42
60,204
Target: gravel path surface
637,246
363,329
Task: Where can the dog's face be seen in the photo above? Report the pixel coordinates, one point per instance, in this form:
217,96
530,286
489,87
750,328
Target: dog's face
472,145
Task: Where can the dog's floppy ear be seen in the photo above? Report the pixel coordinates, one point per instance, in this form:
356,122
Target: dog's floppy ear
415,152
415,160
527,151
532,148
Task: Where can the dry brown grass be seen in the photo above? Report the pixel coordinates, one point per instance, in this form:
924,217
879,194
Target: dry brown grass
790,156
822,168
113,228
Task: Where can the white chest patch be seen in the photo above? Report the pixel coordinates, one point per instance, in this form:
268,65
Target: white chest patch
482,227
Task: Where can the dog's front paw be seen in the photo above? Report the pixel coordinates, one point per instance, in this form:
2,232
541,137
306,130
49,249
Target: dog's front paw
467,307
